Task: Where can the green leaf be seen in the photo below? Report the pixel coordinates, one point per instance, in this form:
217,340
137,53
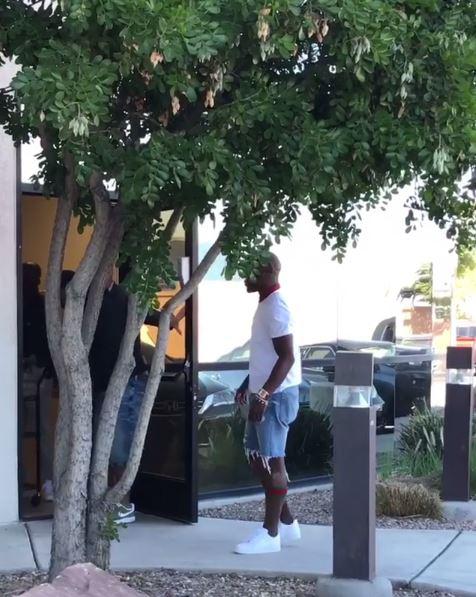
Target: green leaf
360,74
191,94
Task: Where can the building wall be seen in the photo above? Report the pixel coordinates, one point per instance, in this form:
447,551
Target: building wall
329,300
8,322
38,216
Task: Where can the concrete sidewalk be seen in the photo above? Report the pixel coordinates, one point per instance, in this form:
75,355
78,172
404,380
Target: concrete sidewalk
442,560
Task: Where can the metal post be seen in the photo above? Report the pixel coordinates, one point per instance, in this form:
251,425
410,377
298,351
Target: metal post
355,439
354,468
458,424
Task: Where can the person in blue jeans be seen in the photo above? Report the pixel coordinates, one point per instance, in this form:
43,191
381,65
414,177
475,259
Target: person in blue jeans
271,392
102,359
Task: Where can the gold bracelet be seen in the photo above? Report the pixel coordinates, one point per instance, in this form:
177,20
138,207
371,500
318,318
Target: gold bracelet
260,400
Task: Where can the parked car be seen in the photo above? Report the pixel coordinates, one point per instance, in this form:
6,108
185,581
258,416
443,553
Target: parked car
386,331
402,374
316,390
402,379
319,358
214,396
465,334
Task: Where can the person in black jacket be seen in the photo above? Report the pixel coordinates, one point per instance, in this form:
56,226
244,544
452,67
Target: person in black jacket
102,358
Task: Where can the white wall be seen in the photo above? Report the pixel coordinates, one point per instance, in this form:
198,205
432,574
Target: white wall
8,323
329,300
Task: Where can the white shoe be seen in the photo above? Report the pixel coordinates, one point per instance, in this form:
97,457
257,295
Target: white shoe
125,514
47,491
290,533
260,542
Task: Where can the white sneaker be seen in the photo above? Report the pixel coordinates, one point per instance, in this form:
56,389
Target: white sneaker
260,542
47,491
125,514
290,533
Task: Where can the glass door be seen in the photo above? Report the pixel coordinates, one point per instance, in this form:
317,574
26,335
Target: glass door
166,484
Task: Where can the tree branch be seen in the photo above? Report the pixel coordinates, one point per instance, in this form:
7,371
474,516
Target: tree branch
54,316
173,223
158,362
76,356
189,288
91,260
100,280
112,401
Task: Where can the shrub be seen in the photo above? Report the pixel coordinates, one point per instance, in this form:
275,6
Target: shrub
422,470
422,436
424,465
398,500
310,441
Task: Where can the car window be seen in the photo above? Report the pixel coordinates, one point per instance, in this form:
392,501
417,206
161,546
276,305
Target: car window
466,331
388,334
320,352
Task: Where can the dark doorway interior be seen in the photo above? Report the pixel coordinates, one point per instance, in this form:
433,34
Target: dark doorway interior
166,484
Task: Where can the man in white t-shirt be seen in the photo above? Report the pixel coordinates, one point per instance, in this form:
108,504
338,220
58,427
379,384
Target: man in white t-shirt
272,392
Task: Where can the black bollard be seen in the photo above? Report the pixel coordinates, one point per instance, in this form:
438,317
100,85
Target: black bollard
458,424
354,467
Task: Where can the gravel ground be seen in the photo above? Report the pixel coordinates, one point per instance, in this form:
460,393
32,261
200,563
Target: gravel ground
169,583
315,507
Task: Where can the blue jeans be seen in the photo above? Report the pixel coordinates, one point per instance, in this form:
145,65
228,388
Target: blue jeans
267,439
127,420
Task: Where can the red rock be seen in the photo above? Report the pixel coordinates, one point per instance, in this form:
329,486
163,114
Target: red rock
84,580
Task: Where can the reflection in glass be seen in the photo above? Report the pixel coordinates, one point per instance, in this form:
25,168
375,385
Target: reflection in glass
460,377
222,462
352,396
164,451
221,459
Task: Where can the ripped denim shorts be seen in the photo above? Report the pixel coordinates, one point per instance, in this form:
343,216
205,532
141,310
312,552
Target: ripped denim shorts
267,439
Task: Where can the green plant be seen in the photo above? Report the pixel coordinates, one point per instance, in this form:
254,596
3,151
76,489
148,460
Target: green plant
110,529
400,500
428,465
427,468
310,441
422,436
386,465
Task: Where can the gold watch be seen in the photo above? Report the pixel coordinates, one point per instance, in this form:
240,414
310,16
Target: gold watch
263,394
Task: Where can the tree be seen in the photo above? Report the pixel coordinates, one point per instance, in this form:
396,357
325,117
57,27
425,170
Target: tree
422,287
263,106
465,287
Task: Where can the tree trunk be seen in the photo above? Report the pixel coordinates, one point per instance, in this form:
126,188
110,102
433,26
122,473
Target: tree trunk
74,431
83,527
71,501
98,537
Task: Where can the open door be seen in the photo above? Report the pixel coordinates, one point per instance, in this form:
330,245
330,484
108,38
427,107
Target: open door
167,484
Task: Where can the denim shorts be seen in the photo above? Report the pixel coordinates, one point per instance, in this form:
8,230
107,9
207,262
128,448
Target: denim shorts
267,439
127,420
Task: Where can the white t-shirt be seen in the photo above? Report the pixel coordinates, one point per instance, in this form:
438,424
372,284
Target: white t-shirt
272,320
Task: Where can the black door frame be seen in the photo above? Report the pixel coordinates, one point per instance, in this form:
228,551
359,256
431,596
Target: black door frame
20,421
191,344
